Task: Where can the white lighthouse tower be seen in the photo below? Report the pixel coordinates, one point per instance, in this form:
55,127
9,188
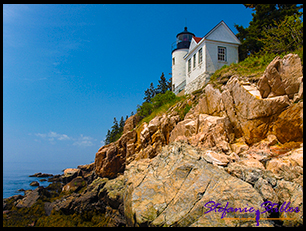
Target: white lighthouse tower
179,50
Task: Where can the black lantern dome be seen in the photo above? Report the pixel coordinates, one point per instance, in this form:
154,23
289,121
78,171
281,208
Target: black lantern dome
183,39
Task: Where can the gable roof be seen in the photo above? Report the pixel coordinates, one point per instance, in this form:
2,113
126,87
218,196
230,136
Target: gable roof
220,33
226,33
197,39
194,42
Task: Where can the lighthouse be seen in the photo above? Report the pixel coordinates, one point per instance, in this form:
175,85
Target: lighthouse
179,50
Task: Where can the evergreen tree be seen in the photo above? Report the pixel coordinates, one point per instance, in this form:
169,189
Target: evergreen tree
121,125
115,131
163,85
107,138
170,84
149,93
286,37
266,16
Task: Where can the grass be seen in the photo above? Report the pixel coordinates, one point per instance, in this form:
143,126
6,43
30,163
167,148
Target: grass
252,67
162,109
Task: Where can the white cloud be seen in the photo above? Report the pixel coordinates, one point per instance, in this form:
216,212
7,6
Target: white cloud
84,141
51,136
64,137
40,135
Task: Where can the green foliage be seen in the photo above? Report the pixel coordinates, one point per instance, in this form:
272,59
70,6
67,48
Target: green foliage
149,93
115,132
85,219
286,36
163,85
162,98
36,214
159,103
252,67
154,98
186,109
145,109
266,16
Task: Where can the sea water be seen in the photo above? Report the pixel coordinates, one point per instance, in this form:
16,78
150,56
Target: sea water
16,175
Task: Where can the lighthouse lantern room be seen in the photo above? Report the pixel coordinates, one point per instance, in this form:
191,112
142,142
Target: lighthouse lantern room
179,50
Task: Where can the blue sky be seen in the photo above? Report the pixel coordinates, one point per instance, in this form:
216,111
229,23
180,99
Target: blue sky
68,70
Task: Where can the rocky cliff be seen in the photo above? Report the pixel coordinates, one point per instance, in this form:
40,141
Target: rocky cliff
238,148
240,144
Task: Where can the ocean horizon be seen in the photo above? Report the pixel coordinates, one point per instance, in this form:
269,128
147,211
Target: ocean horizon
16,174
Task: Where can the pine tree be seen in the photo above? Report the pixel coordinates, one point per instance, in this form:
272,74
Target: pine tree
286,37
149,93
163,85
266,16
115,131
107,138
170,84
121,125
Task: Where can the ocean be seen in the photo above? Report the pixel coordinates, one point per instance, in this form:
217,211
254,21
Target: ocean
16,174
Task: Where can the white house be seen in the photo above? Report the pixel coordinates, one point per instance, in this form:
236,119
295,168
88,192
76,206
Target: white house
195,59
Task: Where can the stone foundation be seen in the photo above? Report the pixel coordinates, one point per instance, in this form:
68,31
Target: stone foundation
198,83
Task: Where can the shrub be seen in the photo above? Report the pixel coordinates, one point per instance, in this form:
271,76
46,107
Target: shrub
159,103
145,109
160,99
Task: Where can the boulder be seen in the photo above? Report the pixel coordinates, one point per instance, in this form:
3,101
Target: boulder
298,96
110,160
216,158
69,174
187,128
288,167
281,77
145,134
74,185
154,124
88,200
239,147
39,174
213,100
252,114
292,193
70,171
34,183
173,188
112,192
30,198
266,190
289,124
130,123
205,131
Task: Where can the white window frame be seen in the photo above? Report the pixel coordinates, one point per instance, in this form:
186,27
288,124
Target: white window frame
222,54
194,61
200,57
189,65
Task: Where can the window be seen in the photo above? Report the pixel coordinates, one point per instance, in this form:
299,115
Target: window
194,61
200,57
189,65
173,61
222,54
